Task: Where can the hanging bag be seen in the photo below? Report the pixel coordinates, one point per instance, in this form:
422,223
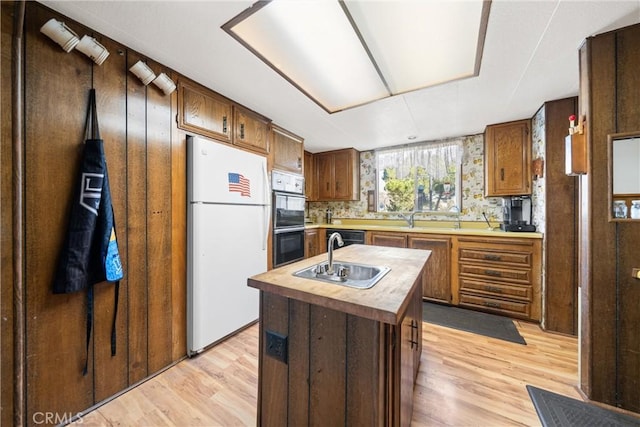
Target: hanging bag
90,251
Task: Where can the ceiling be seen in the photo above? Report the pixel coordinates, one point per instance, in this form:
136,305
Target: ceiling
530,56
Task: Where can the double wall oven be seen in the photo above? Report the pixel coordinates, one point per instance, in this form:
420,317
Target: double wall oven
288,217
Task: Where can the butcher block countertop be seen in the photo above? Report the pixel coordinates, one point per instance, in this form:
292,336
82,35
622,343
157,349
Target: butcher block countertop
386,301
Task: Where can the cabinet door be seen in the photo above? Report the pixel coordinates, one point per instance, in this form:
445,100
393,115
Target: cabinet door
395,240
310,187
204,112
287,150
251,130
508,159
343,175
324,168
436,282
311,243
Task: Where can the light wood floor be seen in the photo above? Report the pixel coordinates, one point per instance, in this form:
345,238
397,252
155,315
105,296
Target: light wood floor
464,380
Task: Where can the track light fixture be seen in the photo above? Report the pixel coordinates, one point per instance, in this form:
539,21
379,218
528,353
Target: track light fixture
61,34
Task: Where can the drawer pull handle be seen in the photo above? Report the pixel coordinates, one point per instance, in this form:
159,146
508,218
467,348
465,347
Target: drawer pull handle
414,328
493,289
492,257
492,304
492,273
224,124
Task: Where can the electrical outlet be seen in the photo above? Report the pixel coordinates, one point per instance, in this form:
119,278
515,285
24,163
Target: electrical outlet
276,346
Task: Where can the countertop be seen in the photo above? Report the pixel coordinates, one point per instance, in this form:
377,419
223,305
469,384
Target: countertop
426,227
386,301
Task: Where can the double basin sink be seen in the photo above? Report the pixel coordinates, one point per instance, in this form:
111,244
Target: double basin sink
349,274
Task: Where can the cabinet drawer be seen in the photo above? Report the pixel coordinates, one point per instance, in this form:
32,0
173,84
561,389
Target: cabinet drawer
487,255
500,290
508,308
496,273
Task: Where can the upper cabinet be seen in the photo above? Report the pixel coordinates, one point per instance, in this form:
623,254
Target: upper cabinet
207,113
508,159
338,175
310,177
287,150
251,130
204,112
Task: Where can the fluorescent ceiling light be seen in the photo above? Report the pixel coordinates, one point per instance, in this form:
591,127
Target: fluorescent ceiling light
343,54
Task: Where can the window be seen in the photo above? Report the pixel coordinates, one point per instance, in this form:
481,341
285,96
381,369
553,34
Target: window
422,177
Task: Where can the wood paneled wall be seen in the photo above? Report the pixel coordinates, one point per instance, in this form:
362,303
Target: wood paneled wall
561,237
146,162
610,297
6,219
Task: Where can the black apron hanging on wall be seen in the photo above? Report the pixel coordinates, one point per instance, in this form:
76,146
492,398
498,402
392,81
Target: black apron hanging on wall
90,252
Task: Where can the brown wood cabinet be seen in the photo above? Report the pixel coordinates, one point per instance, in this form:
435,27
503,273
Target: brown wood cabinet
204,112
310,180
436,284
386,238
500,275
338,175
436,281
251,130
286,150
507,159
311,243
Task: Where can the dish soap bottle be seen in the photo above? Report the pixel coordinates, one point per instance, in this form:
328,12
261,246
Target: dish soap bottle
329,216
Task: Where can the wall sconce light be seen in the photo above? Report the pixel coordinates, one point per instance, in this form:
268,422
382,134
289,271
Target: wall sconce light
94,50
61,34
143,72
165,83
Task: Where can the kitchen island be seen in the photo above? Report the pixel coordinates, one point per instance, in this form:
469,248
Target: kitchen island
335,355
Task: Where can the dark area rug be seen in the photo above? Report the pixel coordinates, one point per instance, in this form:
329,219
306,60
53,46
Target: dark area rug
555,410
489,325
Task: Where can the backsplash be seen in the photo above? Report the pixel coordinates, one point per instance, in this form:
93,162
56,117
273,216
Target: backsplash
538,151
473,200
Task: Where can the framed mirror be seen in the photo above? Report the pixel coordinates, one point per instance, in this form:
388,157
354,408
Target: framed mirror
624,176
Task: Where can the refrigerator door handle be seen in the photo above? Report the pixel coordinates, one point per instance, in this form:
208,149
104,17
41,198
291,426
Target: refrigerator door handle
266,208
265,234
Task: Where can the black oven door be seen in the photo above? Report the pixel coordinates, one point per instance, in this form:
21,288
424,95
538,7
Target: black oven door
288,210
288,246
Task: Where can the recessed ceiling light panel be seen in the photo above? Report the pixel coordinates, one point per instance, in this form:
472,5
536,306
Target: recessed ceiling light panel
347,53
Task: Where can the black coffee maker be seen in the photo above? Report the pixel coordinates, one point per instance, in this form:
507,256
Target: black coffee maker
516,214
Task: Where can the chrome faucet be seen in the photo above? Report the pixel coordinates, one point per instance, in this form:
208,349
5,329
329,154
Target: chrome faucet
334,236
409,218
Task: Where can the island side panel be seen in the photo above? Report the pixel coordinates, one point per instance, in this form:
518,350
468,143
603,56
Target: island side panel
272,392
327,367
365,372
298,363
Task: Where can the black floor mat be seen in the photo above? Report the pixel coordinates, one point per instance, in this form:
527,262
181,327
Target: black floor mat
477,322
555,410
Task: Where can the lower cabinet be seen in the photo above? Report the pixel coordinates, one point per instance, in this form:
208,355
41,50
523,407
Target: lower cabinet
500,275
436,282
311,244
497,274
338,369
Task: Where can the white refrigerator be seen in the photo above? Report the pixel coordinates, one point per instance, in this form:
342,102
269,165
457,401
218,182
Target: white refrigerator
228,218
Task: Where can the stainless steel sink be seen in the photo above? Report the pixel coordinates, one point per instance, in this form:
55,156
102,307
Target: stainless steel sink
350,274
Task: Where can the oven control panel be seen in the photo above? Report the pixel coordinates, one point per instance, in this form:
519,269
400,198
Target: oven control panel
287,182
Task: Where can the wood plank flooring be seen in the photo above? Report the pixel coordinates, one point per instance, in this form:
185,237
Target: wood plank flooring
464,380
